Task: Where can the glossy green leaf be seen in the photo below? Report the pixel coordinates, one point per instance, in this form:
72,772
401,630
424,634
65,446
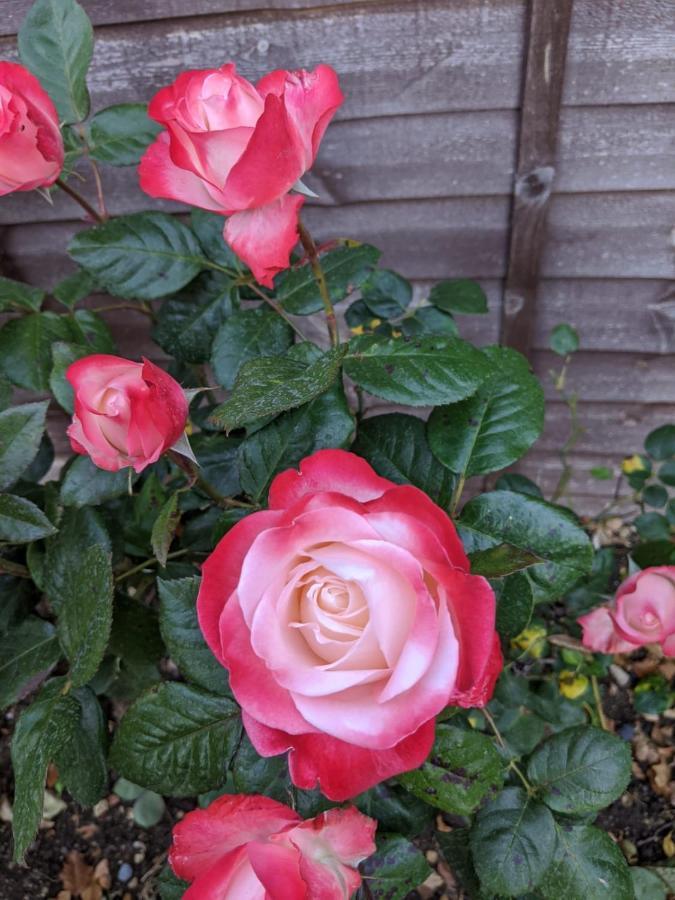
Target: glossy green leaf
209,227
655,495
79,529
22,521
19,295
397,448
534,526
513,840
85,615
463,767
42,729
28,651
666,473
188,322
588,866
56,42
652,526
81,761
515,605
459,295
26,348
183,637
386,294
164,529
420,371
660,443
218,458
254,774
521,484
270,385
563,340
177,740
21,430
430,321
63,356
494,427
580,769
119,135
84,484
395,809
346,268
145,255
74,288
395,869
501,560
247,335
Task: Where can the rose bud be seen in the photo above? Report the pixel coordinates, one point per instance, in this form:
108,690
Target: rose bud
348,619
238,150
642,612
31,148
255,848
126,413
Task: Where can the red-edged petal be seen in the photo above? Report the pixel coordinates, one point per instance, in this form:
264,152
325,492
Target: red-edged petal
203,836
271,163
159,176
599,633
277,866
220,573
334,471
169,406
264,237
229,878
312,99
339,769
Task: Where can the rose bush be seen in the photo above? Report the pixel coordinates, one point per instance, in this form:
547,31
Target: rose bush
348,619
31,147
251,846
643,612
126,413
238,150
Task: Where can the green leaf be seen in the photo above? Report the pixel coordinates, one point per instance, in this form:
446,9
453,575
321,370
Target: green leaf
85,615
209,230
395,809
602,473
655,495
136,645
19,295
183,637
90,328
462,769
534,526
177,740
512,842
247,335
145,255
345,269
419,372
323,422
187,322
170,887
652,527
254,774
494,427
429,320
27,653
514,606
455,848
397,448
667,473
74,288
218,458
56,42
63,356
164,529
588,866
647,885
502,560
81,761
270,385
43,728
512,481
660,443
148,809
119,135
78,530
26,348
84,484
581,769
22,521
459,295
21,429
396,868
563,339
386,294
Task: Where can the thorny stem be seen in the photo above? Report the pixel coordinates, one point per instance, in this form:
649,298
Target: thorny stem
78,198
195,479
151,561
502,743
277,309
313,255
598,703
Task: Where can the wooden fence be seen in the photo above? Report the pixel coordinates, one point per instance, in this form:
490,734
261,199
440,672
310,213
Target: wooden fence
479,138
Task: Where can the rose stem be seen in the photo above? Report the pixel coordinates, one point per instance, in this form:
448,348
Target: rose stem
151,561
310,248
199,481
500,740
277,309
78,198
598,703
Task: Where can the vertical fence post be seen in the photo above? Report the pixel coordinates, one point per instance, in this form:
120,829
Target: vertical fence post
549,22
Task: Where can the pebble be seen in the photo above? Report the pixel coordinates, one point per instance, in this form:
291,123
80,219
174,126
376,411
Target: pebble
124,873
619,675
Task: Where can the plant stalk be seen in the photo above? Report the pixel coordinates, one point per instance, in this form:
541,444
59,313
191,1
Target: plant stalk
78,198
313,255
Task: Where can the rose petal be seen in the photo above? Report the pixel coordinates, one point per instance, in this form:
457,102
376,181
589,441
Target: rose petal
159,176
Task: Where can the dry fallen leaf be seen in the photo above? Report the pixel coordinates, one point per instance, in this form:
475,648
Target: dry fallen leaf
668,845
76,874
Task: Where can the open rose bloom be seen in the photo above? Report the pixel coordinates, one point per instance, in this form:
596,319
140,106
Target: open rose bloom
347,618
31,148
253,848
643,612
238,149
126,413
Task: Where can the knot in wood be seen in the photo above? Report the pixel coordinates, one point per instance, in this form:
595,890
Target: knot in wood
513,303
534,187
